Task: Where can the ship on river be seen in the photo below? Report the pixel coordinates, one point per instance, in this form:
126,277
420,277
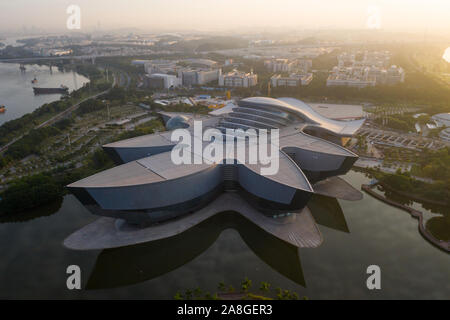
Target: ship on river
61,90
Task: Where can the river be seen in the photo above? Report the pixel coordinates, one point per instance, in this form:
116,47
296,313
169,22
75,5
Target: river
16,89
356,235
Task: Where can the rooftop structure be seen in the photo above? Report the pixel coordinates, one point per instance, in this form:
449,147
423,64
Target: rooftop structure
201,63
351,77
189,72
148,187
339,111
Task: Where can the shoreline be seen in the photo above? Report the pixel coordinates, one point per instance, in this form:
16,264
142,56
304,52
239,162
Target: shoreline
19,107
19,134
401,193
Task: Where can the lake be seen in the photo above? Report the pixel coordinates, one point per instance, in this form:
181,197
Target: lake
226,248
16,89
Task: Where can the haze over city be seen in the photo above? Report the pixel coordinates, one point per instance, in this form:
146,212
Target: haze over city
225,150
219,15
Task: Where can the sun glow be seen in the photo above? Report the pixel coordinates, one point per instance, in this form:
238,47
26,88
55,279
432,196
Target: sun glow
446,55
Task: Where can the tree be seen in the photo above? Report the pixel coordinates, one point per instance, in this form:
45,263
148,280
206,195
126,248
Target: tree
246,284
265,286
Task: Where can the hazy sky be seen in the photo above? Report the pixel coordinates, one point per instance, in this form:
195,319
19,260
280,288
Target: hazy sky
414,15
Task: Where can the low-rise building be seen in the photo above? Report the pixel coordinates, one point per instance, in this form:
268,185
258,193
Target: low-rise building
294,80
445,134
279,65
160,66
57,52
370,71
238,79
351,77
442,119
198,77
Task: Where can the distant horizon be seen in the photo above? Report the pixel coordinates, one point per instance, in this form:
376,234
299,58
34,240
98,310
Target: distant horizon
414,16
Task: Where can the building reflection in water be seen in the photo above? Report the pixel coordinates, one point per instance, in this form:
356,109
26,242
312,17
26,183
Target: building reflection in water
28,215
138,263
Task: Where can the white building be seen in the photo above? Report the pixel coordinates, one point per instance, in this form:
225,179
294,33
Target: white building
294,80
238,79
198,77
279,65
351,77
304,65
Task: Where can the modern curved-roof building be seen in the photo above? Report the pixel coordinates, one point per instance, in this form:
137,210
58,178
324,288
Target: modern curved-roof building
147,187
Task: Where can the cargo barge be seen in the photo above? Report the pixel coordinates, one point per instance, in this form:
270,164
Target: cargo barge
60,90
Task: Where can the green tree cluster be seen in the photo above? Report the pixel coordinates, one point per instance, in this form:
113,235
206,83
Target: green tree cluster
31,142
148,127
89,106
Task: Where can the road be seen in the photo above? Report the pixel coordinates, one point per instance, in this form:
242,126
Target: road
69,110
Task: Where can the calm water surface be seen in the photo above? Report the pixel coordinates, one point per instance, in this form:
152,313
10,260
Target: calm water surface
16,89
226,248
